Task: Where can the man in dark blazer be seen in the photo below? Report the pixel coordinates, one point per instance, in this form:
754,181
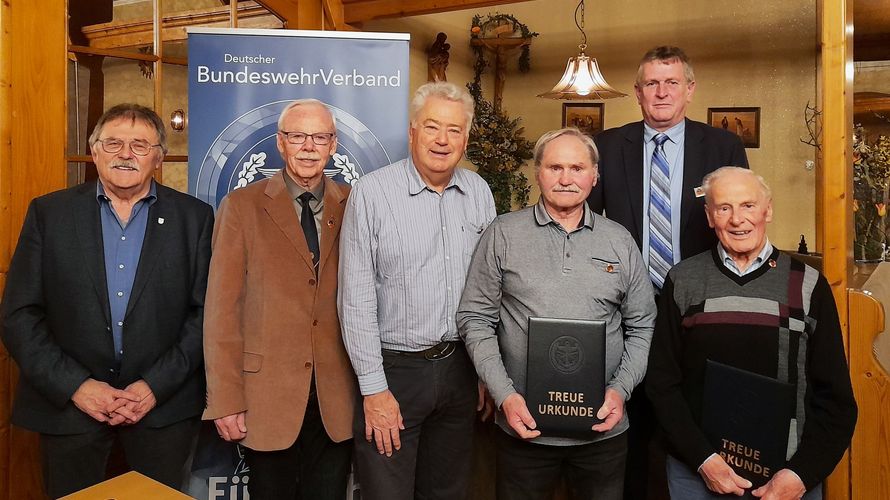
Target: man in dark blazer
103,313
631,189
664,87
707,148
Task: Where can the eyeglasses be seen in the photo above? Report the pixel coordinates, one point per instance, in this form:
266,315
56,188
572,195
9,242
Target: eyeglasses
297,138
138,147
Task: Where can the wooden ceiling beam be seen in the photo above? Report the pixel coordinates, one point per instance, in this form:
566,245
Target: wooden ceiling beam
358,11
334,15
297,14
115,35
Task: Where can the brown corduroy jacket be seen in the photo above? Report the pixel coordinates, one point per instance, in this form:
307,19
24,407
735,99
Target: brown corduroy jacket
269,322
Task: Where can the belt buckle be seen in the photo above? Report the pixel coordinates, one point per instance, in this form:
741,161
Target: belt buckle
440,351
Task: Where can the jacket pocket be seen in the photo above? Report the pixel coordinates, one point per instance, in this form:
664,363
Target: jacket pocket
252,362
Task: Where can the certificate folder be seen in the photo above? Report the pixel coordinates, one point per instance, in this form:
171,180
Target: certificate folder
747,417
565,383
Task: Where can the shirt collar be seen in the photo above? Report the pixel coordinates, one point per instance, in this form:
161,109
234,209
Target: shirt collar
543,218
151,197
416,184
758,261
674,133
295,190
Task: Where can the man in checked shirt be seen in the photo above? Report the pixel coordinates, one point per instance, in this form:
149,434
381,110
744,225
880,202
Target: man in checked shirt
407,238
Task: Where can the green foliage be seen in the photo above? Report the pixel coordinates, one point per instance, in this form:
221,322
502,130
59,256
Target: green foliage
871,179
499,150
496,144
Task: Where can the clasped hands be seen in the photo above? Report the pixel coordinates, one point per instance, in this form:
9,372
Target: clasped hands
114,406
719,477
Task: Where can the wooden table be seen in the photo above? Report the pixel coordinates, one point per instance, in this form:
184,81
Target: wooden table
129,486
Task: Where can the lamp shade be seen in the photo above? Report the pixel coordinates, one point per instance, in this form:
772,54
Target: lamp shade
582,81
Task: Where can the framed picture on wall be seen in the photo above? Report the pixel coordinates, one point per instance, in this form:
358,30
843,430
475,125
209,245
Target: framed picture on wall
744,122
586,117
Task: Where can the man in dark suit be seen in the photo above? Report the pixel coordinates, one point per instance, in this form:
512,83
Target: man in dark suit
664,87
650,182
103,313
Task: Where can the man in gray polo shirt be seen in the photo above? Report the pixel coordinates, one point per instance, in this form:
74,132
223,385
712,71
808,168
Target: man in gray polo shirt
557,259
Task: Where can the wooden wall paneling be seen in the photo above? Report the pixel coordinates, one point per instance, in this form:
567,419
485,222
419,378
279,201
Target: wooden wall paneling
871,385
5,231
835,176
158,77
32,162
836,173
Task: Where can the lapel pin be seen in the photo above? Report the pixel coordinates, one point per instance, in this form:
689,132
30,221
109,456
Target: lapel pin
160,220
331,222
772,263
610,268
699,192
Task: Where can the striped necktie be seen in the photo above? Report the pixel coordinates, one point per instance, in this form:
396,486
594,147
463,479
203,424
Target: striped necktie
661,254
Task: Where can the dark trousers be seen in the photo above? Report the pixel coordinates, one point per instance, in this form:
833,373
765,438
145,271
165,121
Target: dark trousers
313,468
529,471
75,461
437,399
644,477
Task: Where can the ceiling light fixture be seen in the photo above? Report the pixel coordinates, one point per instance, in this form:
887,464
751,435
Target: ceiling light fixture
582,80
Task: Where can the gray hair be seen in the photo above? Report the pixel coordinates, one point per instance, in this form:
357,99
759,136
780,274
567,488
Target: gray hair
442,90
303,102
667,54
133,112
570,131
709,180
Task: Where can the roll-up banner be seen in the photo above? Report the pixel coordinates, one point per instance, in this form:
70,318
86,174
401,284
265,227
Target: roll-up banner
241,79
239,82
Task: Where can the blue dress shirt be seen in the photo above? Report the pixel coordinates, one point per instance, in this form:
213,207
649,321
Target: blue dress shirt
122,245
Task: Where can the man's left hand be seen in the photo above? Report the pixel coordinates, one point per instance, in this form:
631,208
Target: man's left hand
133,411
485,406
610,412
784,485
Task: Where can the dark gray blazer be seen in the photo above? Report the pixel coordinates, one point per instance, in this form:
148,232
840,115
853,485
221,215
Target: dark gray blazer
619,192
56,318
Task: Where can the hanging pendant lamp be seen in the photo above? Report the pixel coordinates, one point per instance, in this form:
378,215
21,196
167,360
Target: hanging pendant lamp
582,80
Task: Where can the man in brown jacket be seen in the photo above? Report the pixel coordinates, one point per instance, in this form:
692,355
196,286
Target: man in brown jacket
278,378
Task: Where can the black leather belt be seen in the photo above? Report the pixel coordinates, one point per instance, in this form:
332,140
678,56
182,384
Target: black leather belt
439,351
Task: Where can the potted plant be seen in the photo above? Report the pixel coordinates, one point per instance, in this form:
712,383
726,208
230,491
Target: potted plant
871,173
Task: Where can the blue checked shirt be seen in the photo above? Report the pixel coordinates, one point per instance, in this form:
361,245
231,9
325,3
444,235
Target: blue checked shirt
404,254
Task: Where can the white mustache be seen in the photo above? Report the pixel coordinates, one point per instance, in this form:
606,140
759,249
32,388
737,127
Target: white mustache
566,190
306,157
124,164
